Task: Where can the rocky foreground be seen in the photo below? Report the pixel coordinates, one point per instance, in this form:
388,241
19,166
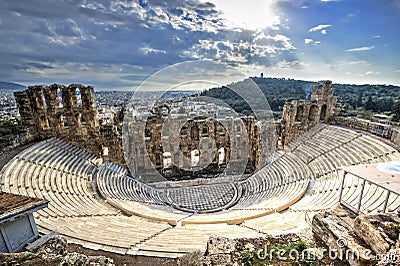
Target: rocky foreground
337,237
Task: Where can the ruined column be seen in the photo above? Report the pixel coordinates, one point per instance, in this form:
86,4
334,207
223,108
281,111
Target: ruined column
26,112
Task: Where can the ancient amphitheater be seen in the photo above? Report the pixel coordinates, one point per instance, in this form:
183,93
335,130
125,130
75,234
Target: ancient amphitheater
99,206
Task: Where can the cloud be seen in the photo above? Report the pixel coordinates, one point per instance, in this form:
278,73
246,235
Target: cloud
320,28
311,41
326,1
148,50
295,64
358,49
118,43
372,73
324,32
307,41
376,37
348,64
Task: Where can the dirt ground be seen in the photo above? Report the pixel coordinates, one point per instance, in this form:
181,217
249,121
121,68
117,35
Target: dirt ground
26,259
124,259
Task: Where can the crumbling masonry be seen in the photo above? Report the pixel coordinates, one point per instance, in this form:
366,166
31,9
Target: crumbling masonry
69,113
300,115
169,151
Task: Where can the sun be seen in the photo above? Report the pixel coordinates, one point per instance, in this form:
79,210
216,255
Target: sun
249,14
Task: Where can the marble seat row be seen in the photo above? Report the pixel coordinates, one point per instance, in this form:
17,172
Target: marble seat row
131,217
114,183
68,191
326,187
108,232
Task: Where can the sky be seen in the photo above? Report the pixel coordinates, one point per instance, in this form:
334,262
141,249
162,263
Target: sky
118,44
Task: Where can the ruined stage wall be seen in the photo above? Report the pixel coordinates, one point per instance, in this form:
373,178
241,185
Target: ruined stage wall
68,113
300,115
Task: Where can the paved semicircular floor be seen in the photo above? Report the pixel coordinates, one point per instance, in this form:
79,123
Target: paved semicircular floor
203,198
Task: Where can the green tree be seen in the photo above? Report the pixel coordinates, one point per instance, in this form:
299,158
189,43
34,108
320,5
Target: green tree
359,100
369,105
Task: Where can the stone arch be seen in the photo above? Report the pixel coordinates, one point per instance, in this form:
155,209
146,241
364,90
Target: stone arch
43,99
183,131
78,96
59,97
40,102
322,115
194,157
147,133
221,130
222,156
78,120
204,130
313,114
60,120
299,113
44,122
167,160
194,132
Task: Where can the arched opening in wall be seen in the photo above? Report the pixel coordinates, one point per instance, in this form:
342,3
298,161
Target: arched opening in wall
60,121
221,130
147,133
195,157
78,97
299,113
313,114
323,112
204,131
39,100
183,132
105,151
167,160
44,99
194,133
158,160
44,122
59,98
221,156
78,120
82,118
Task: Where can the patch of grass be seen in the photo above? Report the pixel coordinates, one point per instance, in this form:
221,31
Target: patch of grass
29,256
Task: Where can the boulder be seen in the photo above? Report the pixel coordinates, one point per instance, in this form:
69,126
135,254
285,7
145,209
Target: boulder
53,247
220,245
75,259
371,235
337,234
219,251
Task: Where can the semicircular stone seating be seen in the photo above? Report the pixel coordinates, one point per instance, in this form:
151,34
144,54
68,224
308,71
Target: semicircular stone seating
101,207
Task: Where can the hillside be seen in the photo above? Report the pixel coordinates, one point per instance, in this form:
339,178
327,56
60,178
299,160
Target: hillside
377,98
8,86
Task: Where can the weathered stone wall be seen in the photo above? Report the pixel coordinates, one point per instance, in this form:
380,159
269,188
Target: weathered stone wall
69,113
240,139
299,115
376,128
395,136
